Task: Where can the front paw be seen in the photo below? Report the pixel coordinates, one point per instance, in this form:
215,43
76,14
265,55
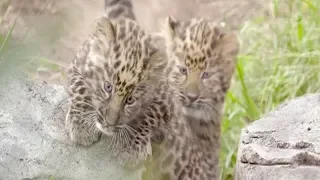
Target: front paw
84,138
130,160
135,155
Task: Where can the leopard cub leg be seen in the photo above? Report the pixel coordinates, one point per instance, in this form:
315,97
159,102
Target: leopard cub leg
80,124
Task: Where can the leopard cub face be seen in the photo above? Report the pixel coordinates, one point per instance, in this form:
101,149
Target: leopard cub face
129,69
201,63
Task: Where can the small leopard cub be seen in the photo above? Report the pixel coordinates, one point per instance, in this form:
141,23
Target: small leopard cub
110,83
202,58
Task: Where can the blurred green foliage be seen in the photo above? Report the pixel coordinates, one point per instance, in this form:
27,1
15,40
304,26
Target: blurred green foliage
279,61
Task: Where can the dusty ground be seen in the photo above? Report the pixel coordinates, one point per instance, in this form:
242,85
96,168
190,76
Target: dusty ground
59,26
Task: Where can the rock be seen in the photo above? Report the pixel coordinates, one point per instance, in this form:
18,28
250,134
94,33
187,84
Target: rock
283,145
34,144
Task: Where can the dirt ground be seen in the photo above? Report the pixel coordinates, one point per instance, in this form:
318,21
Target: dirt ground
61,26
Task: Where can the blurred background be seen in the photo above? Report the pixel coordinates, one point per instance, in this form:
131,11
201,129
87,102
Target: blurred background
279,59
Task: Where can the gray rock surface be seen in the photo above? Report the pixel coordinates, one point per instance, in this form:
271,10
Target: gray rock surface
283,145
34,144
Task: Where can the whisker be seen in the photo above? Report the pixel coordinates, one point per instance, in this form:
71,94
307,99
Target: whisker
131,130
126,137
93,125
121,137
89,122
87,113
114,142
108,140
111,143
118,140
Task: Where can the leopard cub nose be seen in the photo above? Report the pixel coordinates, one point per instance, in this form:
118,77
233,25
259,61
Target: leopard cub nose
192,97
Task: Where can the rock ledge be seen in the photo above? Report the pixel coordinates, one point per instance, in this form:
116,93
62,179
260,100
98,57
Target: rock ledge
34,144
283,145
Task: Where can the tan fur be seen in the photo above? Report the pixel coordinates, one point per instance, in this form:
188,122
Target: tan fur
195,48
201,62
110,82
181,114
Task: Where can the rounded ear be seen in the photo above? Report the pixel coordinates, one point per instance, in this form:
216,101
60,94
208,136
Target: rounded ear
157,63
170,28
230,45
104,29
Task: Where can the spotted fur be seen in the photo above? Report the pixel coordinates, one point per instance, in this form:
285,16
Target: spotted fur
201,63
111,81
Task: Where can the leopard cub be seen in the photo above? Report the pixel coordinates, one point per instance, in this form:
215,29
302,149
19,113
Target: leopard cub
201,63
111,82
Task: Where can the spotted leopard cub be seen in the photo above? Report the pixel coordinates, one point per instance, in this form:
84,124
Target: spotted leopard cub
201,63
110,82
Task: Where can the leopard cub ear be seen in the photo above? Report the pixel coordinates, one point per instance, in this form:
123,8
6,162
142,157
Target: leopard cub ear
170,30
230,45
104,29
171,25
157,64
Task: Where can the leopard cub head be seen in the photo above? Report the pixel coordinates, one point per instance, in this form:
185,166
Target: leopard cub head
201,63
122,71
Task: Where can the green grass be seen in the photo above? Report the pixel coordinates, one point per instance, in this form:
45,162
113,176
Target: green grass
279,60
23,53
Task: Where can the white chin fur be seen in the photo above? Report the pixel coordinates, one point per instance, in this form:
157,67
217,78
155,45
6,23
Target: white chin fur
104,130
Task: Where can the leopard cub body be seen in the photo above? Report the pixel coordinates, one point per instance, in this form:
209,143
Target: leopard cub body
201,62
111,81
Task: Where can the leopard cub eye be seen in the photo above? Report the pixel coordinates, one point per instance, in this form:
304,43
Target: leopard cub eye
130,100
183,70
107,86
205,75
